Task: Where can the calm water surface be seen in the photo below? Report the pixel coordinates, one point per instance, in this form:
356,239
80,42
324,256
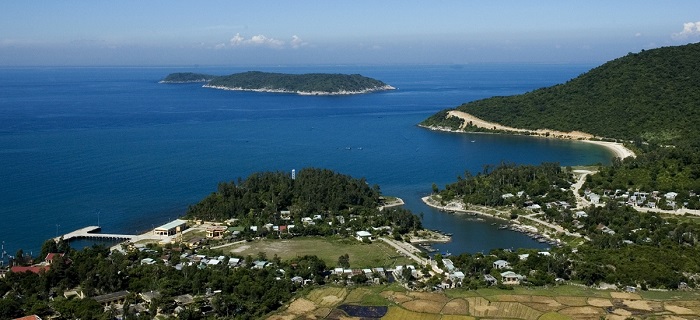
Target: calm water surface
80,145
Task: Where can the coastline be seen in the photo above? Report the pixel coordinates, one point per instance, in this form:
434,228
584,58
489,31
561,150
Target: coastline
304,93
618,149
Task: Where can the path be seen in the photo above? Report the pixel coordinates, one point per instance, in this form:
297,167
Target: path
409,250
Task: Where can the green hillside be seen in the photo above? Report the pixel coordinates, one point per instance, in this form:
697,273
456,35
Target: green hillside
650,96
187,77
311,83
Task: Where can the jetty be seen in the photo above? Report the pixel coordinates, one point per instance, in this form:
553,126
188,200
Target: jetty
92,232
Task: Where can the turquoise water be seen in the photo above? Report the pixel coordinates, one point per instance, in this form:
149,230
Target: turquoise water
80,145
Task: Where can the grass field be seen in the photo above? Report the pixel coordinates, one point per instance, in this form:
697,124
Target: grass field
559,303
362,255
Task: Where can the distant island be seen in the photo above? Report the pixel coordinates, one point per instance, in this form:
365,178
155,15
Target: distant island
303,84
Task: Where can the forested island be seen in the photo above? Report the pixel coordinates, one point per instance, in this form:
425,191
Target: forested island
650,96
303,84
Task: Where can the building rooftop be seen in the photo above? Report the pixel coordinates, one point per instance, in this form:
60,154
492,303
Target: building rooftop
172,224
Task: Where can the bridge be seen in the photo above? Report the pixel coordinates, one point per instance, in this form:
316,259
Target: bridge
91,233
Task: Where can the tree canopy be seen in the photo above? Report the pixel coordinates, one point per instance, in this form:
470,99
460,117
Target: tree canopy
648,96
309,83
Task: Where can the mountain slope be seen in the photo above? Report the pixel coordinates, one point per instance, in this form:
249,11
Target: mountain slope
651,96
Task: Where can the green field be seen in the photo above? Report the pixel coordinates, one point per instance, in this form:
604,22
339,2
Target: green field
362,255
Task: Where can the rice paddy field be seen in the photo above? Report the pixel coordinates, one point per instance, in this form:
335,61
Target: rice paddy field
393,302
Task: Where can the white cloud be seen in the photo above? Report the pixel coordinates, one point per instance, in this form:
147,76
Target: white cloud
297,42
638,34
257,40
237,40
690,29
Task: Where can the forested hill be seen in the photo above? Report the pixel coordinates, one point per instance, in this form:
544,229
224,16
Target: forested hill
650,96
187,77
311,83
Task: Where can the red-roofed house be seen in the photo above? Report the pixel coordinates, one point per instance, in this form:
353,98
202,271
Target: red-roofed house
49,257
35,269
32,317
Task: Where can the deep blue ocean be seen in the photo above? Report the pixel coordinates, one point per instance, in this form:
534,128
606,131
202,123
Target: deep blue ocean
82,146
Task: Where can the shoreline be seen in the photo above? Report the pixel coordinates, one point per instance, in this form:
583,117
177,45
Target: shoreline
427,200
616,148
304,93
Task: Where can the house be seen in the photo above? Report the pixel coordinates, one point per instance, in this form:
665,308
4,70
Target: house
171,228
286,215
362,235
523,256
149,296
234,262
147,261
671,196
32,317
51,256
491,280
35,269
507,196
112,298
457,277
298,280
580,214
216,231
184,299
449,265
501,264
534,207
511,278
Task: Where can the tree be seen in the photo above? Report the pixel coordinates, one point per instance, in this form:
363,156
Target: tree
344,261
49,246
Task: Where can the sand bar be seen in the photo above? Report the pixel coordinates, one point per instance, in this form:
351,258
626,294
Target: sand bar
617,148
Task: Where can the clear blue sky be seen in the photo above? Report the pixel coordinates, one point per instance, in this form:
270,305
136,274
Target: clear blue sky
174,32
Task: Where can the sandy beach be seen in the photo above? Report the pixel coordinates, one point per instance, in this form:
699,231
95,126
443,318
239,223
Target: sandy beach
617,148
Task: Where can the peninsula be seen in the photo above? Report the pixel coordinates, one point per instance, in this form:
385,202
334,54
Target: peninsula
649,97
302,84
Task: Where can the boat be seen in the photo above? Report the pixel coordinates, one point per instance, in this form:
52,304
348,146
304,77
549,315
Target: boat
446,254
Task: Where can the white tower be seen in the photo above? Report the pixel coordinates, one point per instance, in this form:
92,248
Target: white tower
294,174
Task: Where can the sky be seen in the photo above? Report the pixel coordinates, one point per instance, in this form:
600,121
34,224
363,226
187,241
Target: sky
175,32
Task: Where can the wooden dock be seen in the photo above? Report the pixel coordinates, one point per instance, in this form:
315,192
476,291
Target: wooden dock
91,233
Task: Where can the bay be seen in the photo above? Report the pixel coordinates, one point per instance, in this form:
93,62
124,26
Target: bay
82,146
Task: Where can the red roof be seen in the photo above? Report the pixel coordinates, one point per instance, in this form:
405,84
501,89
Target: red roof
49,257
32,317
35,269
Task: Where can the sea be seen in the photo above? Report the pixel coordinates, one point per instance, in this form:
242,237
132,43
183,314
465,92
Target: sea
110,146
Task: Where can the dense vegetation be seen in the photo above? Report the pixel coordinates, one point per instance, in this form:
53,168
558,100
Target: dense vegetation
298,83
260,199
245,292
541,183
662,169
186,77
648,96
626,247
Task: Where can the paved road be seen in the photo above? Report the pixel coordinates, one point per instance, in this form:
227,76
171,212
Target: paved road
410,251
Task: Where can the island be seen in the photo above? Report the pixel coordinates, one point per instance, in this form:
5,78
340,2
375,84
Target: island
302,84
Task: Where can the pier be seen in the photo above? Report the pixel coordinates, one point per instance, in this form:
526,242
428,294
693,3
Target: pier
91,233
